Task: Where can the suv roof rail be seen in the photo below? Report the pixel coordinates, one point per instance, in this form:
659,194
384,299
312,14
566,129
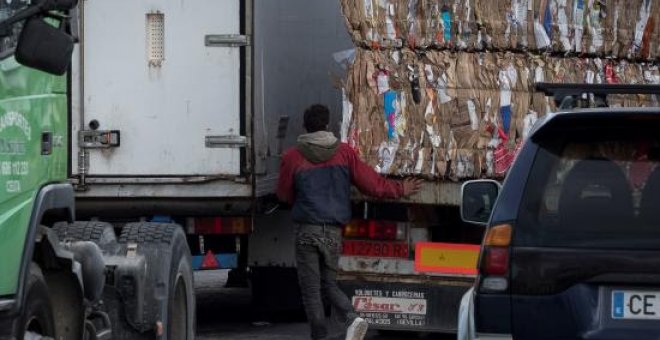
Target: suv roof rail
568,95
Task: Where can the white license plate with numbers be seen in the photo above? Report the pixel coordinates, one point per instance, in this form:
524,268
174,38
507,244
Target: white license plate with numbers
633,304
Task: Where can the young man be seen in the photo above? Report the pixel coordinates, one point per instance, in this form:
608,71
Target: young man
316,178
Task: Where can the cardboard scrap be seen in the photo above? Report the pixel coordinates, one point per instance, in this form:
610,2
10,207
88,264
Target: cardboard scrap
459,115
602,28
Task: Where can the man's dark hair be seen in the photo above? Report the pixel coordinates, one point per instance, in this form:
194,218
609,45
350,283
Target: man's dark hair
316,118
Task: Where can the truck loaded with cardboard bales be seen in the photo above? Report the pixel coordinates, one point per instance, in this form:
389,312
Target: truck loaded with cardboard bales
446,90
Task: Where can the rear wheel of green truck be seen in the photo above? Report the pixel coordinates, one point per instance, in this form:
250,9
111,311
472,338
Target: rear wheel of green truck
36,319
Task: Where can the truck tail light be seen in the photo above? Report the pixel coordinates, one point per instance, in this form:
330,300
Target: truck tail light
495,258
375,230
355,229
219,225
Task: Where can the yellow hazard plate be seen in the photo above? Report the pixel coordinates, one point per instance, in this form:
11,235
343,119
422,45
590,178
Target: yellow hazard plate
446,258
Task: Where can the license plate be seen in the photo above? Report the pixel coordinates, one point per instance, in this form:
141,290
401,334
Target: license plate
633,304
368,304
375,249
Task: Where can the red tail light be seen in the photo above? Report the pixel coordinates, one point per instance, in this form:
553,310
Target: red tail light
382,230
374,229
219,225
496,261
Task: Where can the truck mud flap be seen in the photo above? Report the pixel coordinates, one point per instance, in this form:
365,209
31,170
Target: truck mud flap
428,307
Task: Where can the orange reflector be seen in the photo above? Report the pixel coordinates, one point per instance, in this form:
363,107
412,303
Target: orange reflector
499,236
210,262
239,226
446,258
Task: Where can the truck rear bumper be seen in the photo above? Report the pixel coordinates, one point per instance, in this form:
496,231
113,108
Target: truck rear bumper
391,302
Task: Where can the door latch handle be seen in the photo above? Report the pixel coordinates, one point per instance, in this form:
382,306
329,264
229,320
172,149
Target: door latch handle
46,143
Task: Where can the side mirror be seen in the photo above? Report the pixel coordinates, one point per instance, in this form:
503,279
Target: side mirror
478,199
44,47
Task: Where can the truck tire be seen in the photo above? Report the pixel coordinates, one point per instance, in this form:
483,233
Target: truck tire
36,319
167,243
101,233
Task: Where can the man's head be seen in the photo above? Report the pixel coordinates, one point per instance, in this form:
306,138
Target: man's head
316,118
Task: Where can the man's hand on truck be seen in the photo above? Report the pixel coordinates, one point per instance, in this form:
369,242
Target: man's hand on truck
411,186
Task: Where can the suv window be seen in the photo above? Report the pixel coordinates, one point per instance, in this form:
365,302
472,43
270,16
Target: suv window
594,188
8,41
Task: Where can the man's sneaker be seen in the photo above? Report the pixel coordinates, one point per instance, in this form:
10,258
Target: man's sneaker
357,330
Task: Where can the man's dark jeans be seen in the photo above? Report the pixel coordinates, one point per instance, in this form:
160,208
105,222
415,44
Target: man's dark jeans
317,257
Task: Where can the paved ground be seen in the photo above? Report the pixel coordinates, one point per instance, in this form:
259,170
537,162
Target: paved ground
225,313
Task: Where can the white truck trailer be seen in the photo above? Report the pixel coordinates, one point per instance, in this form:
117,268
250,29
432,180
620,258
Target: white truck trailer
179,111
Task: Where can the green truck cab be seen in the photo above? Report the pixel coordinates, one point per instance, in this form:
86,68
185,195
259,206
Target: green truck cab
61,278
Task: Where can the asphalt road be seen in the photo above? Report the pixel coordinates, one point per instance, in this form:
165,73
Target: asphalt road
225,313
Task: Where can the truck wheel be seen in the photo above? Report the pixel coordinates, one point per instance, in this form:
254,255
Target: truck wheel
181,318
36,319
169,241
101,233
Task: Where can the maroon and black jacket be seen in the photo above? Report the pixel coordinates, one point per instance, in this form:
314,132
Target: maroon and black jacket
320,189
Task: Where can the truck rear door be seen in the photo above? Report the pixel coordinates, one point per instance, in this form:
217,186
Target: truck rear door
167,76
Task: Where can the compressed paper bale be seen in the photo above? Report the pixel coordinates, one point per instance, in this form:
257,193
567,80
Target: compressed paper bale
463,165
489,100
425,14
490,69
518,22
646,25
381,14
521,101
485,16
494,22
422,122
411,27
353,19
468,28
628,18
608,25
595,29
467,109
499,9
562,23
465,70
482,76
622,17
540,104
601,28
521,64
531,17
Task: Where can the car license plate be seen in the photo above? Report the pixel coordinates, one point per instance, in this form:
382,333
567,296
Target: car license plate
375,248
632,304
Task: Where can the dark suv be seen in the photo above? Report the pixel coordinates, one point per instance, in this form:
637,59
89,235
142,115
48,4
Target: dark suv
572,248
